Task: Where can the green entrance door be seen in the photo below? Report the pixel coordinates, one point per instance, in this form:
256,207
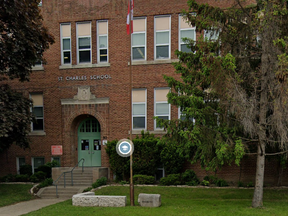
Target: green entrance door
89,142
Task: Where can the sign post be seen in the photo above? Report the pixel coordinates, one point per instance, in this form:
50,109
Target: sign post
125,148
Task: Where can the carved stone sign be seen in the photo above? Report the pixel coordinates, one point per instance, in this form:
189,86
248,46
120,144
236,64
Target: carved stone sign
84,93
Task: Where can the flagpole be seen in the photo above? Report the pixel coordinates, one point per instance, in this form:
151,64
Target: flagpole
130,79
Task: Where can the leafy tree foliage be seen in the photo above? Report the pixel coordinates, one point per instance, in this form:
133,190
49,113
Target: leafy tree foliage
23,39
15,118
233,90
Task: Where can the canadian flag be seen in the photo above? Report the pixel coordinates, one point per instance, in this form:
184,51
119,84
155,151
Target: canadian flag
128,17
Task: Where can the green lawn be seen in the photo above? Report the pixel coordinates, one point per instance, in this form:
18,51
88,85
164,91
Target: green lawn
13,193
182,201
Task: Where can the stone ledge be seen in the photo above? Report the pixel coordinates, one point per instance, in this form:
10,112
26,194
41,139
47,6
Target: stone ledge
90,199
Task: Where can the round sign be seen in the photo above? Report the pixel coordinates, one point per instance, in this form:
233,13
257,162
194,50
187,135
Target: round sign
125,147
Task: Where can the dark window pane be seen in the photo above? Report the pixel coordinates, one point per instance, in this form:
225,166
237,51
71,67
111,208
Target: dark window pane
162,52
38,125
84,145
138,122
67,58
138,53
84,43
103,55
84,56
66,44
184,48
161,117
38,111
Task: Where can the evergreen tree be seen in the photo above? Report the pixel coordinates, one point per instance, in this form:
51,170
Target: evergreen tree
233,86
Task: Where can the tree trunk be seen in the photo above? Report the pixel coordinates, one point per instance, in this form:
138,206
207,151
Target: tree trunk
259,179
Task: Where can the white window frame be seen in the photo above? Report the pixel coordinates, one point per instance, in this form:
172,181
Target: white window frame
31,109
160,102
164,44
32,163
62,50
77,44
145,115
186,29
145,40
98,43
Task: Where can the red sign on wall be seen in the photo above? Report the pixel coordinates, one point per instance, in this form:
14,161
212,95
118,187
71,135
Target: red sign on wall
56,150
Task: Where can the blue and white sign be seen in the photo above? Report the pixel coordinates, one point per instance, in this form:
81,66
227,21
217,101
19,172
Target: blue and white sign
125,147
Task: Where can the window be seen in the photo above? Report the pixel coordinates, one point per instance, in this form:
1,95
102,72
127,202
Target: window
139,39
139,109
162,37
36,162
84,42
162,107
185,31
37,111
57,159
65,31
20,161
211,34
102,41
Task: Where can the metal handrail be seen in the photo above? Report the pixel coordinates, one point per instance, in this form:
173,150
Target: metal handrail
64,173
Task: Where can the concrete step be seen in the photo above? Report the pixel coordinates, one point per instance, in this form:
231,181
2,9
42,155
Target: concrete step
67,192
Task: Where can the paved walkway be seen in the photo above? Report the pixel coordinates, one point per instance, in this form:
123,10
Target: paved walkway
27,206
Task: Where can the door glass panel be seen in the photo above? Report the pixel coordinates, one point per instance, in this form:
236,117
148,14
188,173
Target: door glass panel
88,126
97,145
85,145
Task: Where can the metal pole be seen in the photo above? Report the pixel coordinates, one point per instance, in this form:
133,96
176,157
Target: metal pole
130,97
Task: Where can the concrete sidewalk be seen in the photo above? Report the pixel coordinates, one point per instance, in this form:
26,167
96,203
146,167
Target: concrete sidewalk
28,206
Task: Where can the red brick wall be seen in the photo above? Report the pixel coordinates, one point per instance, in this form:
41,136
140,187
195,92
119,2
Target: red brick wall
62,121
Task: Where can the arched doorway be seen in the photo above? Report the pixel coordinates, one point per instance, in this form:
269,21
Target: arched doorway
89,142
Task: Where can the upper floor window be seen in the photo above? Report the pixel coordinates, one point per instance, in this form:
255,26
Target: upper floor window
161,105
139,38
185,31
102,41
211,34
65,32
84,42
139,109
162,37
37,111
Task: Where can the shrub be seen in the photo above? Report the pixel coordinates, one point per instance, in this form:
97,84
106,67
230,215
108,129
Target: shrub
212,179
221,183
172,179
8,178
143,179
100,182
46,169
123,182
146,158
250,184
33,178
87,189
22,178
45,183
170,158
26,169
190,176
240,184
38,177
192,183
205,183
